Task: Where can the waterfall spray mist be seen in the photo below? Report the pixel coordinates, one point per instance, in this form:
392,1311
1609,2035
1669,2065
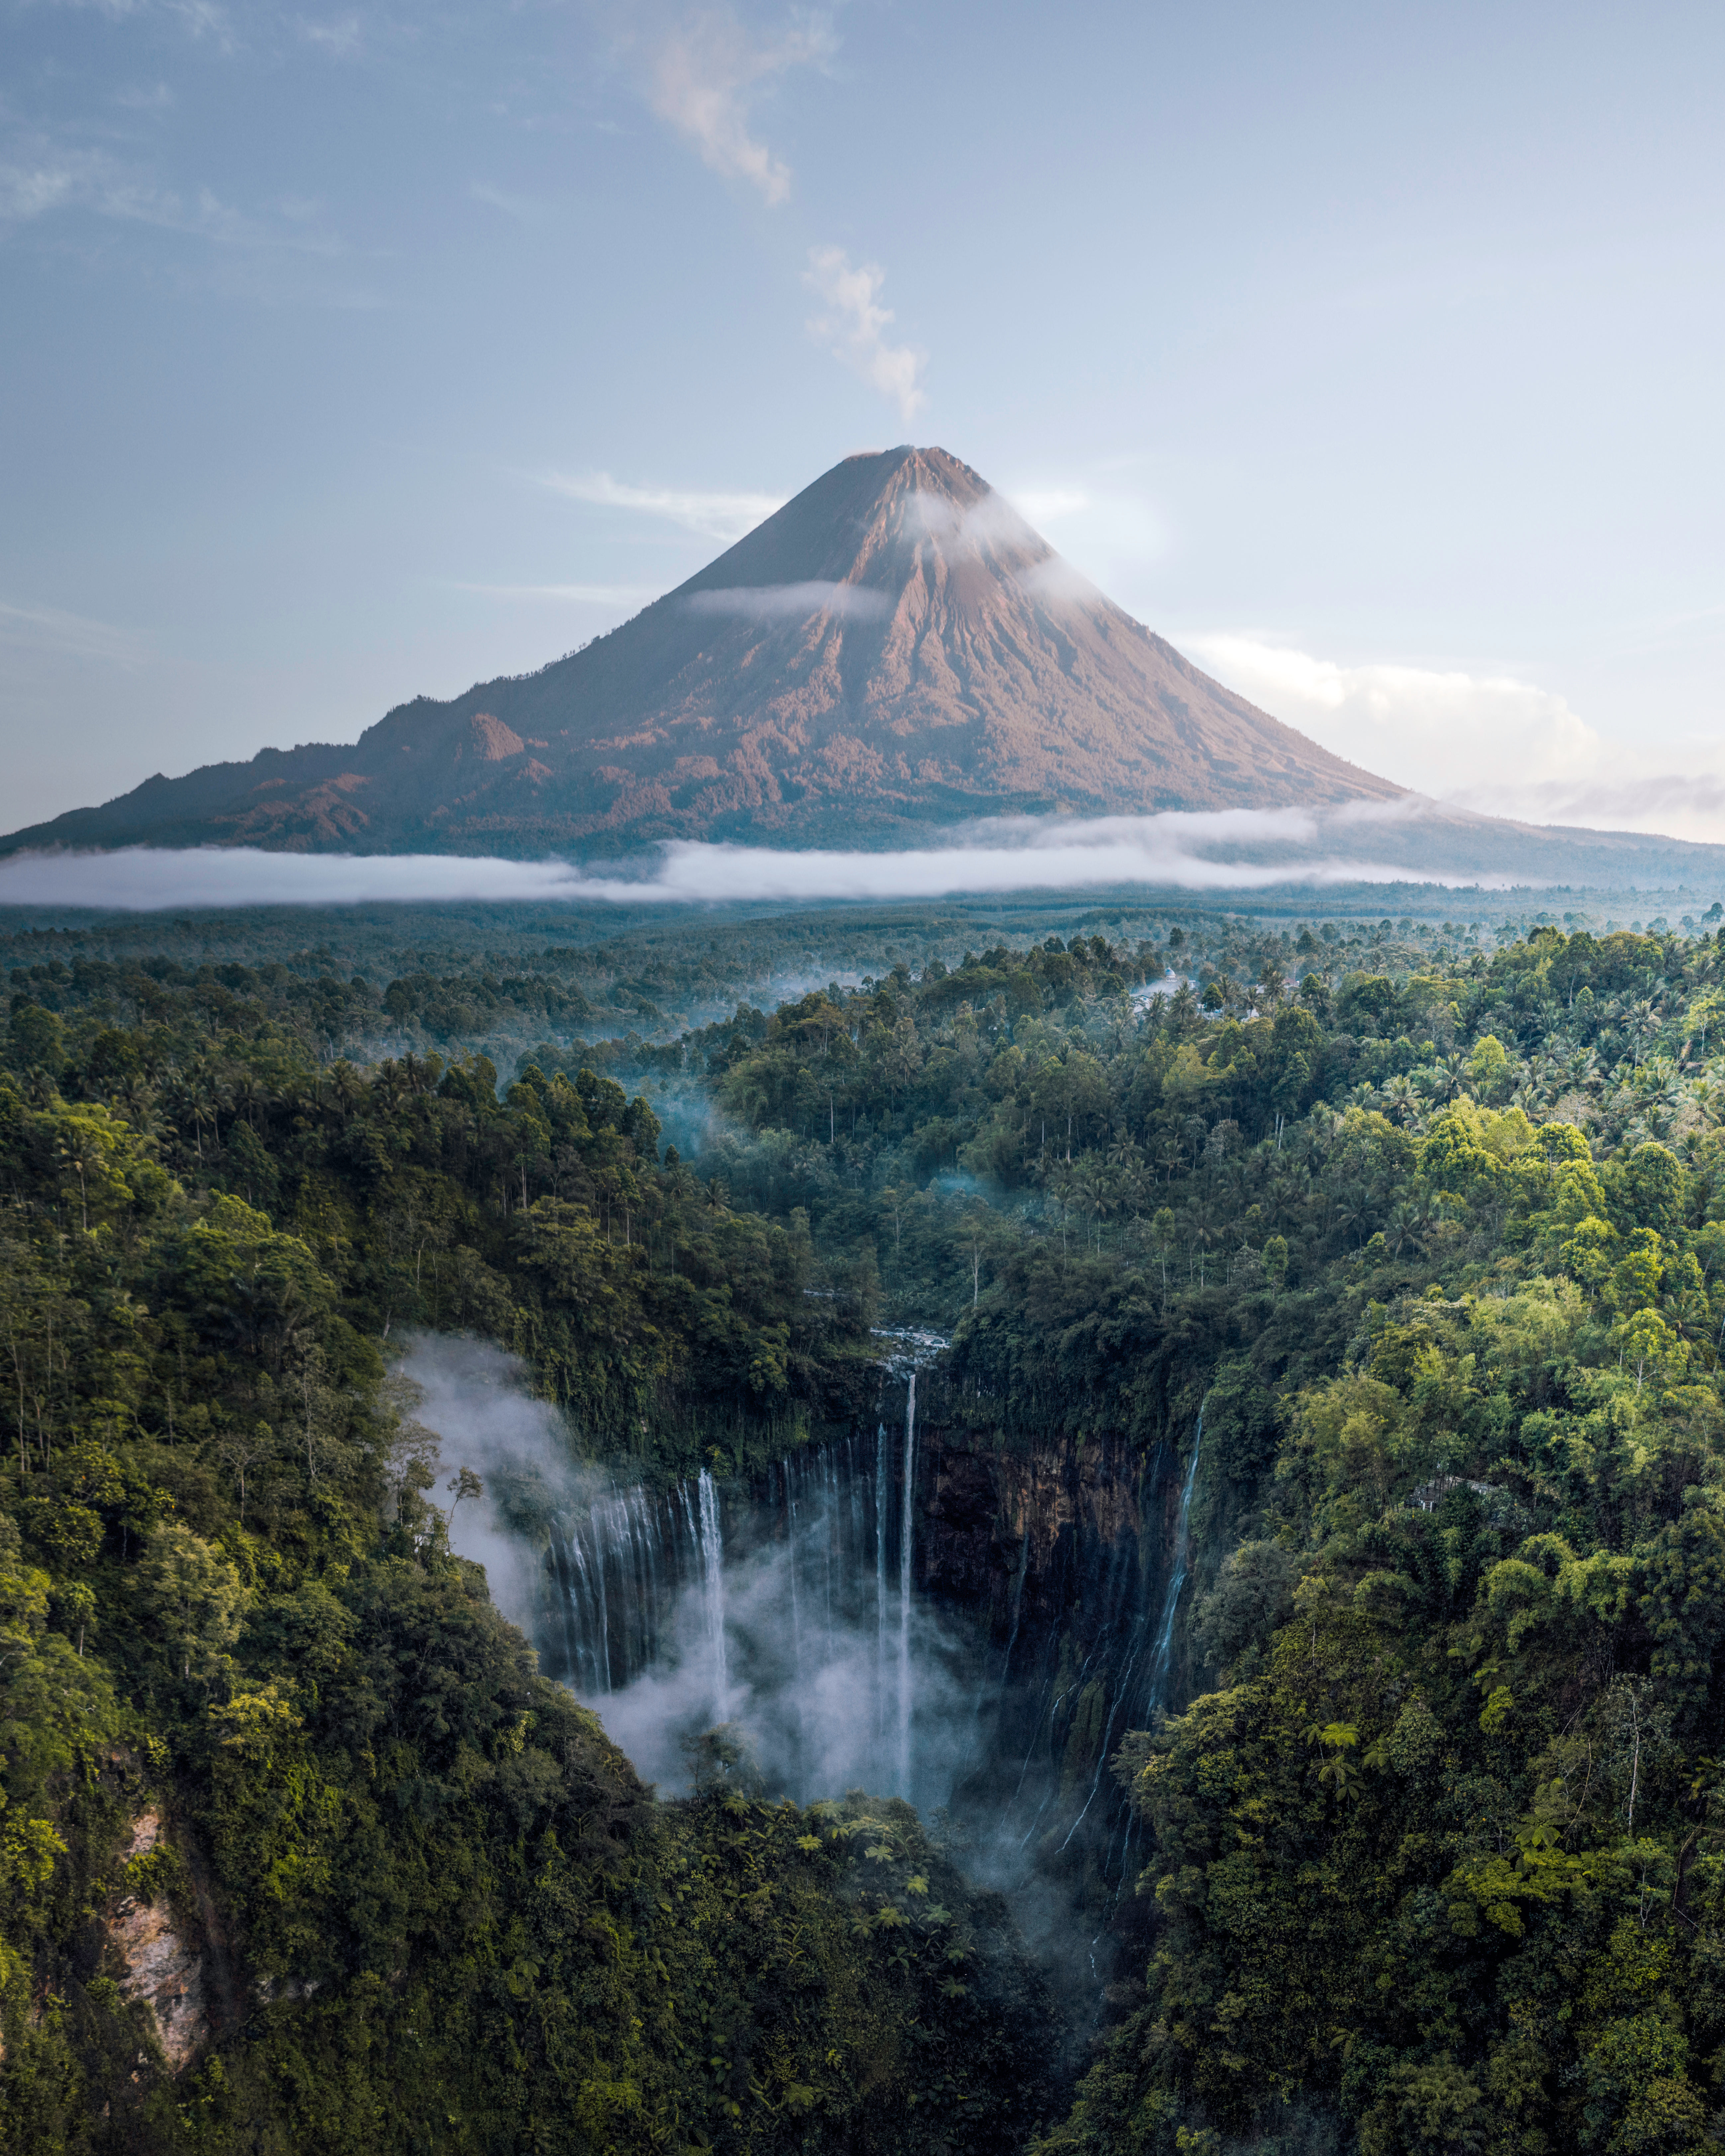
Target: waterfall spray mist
789,1606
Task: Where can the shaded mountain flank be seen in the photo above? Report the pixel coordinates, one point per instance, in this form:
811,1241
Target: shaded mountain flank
894,650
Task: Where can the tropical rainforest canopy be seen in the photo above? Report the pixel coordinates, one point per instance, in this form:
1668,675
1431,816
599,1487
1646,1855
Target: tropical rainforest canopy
1433,1857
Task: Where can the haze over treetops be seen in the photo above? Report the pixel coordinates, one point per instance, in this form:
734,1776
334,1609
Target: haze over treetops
894,650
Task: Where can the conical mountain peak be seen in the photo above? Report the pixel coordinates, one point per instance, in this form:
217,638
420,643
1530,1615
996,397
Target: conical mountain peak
893,650
872,521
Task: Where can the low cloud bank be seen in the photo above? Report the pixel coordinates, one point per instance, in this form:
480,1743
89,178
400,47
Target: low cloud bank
1490,742
1227,849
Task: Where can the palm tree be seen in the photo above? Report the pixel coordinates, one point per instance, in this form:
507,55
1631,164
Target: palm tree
1092,1187
251,1094
1402,1227
348,1087
1353,1206
1057,1190
1124,1154
1642,1025
81,1151
1203,1228
135,1100
199,1094
1400,1100
1447,1077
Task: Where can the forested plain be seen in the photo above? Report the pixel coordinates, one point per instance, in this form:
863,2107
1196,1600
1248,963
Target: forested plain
1429,1219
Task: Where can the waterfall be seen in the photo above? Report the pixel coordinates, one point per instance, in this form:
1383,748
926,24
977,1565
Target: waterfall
906,1536
1157,1699
1177,1580
790,1505
880,1578
788,1603
713,1589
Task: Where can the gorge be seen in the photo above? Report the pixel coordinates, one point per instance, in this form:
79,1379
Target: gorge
911,1608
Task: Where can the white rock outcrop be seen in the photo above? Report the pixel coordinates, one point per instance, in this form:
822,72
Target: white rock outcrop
158,1963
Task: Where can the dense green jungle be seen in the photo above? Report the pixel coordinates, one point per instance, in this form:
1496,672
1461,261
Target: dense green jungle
298,1848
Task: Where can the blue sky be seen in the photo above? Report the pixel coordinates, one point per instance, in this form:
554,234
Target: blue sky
1371,354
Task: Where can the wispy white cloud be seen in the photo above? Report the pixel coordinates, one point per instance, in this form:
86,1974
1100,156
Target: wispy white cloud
72,635
990,523
1056,583
340,38
792,602
519,207
199,19
31,186
854,327
278,253
1678,790
995,527
703,76
46,177
1422,726
205,18
1486,741
1117,534
714,516
605,595
1049,504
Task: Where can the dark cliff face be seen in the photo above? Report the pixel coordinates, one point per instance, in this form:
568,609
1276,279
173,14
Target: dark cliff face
1058,1557
994,1516
1065,1531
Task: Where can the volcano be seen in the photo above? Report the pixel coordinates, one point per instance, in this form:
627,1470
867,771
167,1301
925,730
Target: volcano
896,648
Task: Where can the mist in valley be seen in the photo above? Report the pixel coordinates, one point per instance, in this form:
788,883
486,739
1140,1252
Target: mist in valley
789,1614
773,1635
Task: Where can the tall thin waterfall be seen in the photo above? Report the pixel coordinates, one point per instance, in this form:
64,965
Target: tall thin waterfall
880,1578
1176,1579
906,1551
790,1506
712,1591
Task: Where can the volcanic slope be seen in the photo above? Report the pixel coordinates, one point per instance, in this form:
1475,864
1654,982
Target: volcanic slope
893,650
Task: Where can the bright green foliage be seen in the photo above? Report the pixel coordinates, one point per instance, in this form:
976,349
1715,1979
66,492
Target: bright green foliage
1444,1858
1432,1859
245,1689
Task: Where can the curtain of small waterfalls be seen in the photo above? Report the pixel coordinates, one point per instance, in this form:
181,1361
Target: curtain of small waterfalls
790,1608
